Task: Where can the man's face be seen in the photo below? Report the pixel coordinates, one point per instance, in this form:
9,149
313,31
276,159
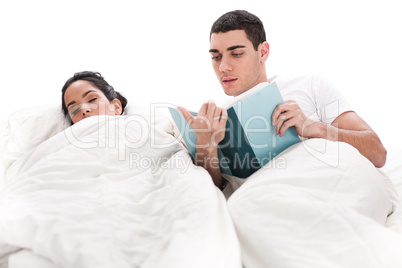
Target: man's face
236,64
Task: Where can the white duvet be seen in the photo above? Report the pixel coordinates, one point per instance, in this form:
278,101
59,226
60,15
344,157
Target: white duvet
113,192
320,204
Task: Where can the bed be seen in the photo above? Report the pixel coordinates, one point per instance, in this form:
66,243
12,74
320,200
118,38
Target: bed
333,212
123,192
107,192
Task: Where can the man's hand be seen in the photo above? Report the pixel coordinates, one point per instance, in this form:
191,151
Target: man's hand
209,124
347,127
289,114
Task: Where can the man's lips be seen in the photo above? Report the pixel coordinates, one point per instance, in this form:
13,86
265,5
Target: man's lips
228,81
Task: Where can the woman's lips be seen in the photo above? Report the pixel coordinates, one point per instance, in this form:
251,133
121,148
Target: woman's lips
228,81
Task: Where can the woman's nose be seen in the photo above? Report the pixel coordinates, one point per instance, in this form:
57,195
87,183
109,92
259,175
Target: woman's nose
85,111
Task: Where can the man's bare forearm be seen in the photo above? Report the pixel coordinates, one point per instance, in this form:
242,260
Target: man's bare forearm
365,141
208,159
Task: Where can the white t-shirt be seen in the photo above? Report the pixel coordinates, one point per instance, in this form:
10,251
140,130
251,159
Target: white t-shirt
317,98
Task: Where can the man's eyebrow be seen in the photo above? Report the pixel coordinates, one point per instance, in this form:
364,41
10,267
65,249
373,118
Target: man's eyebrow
235,47
83,95
212,50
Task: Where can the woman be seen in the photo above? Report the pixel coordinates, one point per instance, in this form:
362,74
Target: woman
87,94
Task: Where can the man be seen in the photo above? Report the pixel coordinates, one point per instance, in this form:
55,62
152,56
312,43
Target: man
239,51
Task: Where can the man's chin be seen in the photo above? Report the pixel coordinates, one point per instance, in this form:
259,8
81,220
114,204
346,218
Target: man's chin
229,90
232,91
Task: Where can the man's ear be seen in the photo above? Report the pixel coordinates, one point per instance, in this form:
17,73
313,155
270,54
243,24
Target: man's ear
117,106
264,51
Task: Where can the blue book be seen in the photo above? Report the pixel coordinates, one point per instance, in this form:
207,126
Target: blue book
250,140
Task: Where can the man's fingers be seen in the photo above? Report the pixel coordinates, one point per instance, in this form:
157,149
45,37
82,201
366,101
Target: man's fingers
211,109
223,117
285,126
189,118
281,108
203,109
217,112
277,112
280,120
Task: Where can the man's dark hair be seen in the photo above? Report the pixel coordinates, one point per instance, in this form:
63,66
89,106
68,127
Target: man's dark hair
241,20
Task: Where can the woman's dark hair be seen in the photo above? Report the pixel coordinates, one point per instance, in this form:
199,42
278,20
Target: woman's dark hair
97,80
241,20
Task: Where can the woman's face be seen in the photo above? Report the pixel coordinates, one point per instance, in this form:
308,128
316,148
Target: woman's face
83,100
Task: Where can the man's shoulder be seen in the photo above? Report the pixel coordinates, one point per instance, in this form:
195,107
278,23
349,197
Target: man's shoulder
298,80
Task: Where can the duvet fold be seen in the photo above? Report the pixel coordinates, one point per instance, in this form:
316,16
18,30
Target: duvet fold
116,192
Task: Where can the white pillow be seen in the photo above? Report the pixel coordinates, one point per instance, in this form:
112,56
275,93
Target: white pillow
26,128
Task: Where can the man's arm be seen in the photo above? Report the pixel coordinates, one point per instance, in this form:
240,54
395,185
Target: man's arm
209,126
351,128
347,127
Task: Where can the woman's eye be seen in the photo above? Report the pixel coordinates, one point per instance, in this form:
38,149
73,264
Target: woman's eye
75,111
91,100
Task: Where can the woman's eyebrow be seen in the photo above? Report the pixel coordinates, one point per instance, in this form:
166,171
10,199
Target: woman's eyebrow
71,103
83,95
86,93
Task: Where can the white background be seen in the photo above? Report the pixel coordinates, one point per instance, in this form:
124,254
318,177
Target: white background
157,51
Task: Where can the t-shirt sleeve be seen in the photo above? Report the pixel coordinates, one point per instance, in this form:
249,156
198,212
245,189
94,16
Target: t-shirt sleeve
329,100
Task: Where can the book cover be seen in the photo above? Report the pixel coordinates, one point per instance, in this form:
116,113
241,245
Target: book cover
250,140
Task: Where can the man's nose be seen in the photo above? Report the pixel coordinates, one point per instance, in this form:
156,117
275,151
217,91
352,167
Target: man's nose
225,65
